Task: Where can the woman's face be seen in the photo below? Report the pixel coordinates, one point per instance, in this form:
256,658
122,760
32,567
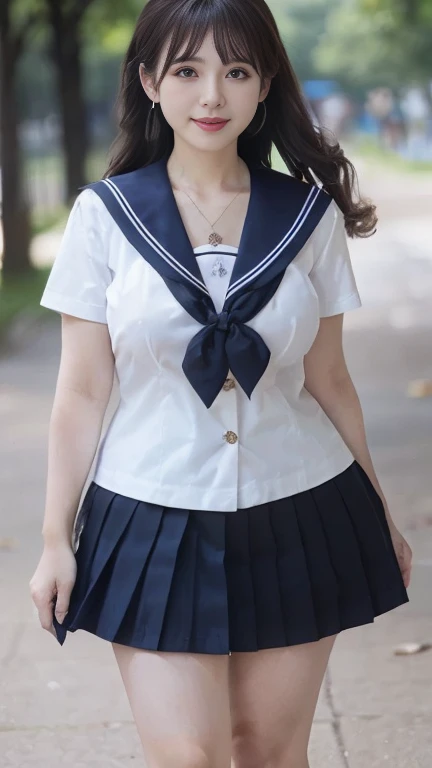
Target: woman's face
196,89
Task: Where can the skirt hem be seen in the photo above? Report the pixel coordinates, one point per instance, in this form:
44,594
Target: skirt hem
151,643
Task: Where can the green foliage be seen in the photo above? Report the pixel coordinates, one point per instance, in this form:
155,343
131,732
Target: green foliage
44,221
109,24
22,294
372,43
20,10
108,29
369,150
403,12
36,85
302,24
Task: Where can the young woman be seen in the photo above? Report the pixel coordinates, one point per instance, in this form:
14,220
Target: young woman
234,524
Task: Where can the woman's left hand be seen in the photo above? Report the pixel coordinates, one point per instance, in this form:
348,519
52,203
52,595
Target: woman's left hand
403,553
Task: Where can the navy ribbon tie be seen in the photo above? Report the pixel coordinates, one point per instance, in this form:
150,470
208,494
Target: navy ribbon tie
222,320
282,214
225,343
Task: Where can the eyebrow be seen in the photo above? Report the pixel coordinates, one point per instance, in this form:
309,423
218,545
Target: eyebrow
200,60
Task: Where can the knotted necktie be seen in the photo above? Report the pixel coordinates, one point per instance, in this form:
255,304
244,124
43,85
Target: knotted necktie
227,343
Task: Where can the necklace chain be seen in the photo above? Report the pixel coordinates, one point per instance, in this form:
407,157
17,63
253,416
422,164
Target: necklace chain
214,237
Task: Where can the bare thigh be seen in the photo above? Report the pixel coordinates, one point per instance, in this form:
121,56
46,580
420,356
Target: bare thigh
274,694
180,704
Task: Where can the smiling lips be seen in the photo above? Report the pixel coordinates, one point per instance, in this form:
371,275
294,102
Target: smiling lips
211,123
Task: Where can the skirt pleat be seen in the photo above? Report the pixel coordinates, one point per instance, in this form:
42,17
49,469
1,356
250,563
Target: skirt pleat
380,564
124,566
155,584
352,591
241,601
105,525
196,612
295,587
323,584
285,572
262,556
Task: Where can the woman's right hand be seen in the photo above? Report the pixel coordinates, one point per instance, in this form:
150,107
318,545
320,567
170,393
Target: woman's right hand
54,578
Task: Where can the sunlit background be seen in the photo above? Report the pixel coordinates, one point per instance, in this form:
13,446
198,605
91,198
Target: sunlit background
365,67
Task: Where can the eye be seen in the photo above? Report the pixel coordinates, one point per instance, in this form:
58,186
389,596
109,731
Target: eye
189,69
185,69
242,71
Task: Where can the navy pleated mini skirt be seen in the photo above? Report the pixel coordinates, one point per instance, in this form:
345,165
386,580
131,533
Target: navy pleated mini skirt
288,571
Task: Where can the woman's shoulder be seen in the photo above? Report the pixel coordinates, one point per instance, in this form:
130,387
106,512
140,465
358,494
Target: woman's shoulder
90,213
89,201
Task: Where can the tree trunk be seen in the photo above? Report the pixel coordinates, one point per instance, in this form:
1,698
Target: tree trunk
75,132
66,51
411,10
15,208
428,94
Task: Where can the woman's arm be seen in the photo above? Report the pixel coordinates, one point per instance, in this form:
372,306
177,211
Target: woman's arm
82,394
329,382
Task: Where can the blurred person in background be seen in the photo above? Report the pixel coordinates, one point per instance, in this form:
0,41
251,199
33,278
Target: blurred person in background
383,105
417,115
234,524
335,112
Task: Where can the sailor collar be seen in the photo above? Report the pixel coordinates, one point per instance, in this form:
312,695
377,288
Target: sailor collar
281,216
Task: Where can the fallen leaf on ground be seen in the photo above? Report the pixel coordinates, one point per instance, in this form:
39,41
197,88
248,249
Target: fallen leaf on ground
7,544
407,649
420,388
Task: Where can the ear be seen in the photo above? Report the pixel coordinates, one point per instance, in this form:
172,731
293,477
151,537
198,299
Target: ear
147,84
265,89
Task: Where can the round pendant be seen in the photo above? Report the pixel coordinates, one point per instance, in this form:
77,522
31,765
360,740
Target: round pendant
215,239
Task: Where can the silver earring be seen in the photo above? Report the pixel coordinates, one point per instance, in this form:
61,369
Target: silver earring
151,129
262,122
141,64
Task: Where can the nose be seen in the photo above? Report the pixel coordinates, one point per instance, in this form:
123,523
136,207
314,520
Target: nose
211,95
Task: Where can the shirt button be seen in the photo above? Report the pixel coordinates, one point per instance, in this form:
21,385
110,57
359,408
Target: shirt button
229,384
230,437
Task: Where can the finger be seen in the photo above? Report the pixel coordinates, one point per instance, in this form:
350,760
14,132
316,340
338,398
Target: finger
45,609
406,574
62,604
46,619
403,571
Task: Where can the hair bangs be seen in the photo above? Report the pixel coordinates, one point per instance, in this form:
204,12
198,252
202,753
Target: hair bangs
233,36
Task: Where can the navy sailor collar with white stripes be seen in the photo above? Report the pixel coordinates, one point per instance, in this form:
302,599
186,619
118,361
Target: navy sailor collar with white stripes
281,216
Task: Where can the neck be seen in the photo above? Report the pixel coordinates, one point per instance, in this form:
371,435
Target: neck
205,174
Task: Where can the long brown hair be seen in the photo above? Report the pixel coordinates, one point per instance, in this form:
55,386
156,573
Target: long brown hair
242,30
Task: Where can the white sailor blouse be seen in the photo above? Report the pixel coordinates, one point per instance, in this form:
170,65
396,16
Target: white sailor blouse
213,413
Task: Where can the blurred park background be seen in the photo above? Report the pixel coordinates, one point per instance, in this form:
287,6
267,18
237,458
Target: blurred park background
365,67
366,71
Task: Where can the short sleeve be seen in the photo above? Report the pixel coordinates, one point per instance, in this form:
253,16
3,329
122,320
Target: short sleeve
332,273
80,274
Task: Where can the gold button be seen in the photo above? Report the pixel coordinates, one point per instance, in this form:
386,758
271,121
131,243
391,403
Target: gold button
230,437
229,384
